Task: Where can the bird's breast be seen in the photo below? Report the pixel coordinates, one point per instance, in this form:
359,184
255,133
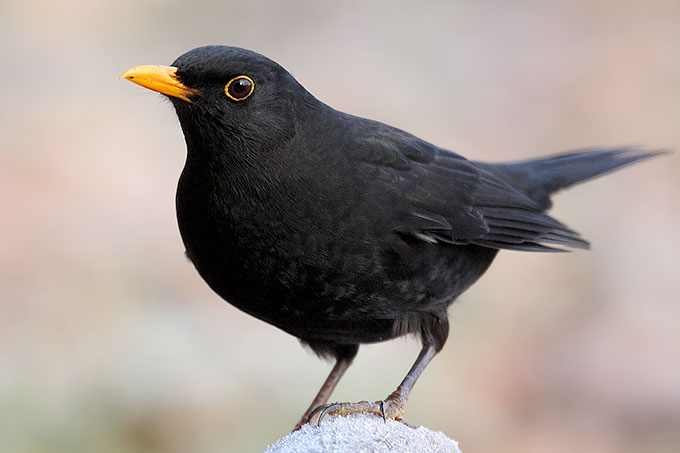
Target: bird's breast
292,260
274,254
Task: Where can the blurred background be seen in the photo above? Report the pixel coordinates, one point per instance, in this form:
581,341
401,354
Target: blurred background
109,340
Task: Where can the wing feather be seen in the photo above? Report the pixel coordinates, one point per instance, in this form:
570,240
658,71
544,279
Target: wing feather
445,198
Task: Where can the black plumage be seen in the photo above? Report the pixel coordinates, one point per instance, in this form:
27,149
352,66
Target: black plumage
341,230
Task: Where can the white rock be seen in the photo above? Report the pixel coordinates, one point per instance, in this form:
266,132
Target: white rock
363,434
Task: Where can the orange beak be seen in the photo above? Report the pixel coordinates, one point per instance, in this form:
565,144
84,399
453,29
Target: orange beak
162,79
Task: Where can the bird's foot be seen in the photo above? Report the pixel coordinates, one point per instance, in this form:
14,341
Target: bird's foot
391,407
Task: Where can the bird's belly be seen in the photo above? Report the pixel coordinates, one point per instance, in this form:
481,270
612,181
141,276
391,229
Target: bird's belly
351,298
346,278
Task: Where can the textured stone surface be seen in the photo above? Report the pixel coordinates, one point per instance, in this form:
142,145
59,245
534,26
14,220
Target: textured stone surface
363,434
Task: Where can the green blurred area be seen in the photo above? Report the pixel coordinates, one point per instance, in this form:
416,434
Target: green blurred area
109,341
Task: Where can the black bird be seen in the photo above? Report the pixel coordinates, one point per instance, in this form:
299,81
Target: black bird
341,230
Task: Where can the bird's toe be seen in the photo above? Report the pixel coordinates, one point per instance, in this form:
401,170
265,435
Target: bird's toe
386,409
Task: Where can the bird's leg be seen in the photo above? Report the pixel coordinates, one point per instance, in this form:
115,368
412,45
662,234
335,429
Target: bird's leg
391,407
327,388
396,402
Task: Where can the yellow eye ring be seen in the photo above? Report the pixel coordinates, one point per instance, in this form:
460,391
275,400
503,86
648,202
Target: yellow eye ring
239,88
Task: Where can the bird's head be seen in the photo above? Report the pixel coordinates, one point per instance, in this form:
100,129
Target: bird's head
228,99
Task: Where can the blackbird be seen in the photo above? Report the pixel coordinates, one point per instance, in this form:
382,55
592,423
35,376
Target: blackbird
342,230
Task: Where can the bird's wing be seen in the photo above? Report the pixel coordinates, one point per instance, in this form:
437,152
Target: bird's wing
443,197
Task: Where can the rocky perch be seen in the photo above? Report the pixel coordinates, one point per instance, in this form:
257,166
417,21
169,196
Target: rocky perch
363,434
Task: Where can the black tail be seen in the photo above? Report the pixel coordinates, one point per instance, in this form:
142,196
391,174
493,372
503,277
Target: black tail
538,178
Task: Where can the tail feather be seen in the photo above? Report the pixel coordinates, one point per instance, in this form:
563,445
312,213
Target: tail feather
538,178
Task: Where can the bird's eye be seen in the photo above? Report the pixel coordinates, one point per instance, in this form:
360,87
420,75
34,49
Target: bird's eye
239,88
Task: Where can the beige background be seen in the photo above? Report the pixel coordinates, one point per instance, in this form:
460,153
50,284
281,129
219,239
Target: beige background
110,342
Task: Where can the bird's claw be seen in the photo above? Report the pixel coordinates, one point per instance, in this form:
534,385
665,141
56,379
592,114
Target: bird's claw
329,408
324,409
387,409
